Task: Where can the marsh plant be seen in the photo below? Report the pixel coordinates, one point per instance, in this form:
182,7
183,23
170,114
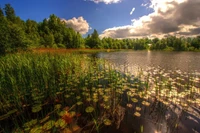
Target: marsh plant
57,92
49,92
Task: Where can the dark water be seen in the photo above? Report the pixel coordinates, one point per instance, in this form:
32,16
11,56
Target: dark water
185,61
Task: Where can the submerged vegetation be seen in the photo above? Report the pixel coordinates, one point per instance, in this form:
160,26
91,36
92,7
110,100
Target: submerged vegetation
50,92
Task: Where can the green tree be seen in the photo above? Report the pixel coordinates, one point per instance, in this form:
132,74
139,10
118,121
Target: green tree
32,32
10,12
17,38
95,41
4,35
1,13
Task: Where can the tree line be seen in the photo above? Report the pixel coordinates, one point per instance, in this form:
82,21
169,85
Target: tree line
17,34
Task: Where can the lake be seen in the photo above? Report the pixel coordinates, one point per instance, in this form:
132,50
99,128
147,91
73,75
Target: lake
185,61
170,78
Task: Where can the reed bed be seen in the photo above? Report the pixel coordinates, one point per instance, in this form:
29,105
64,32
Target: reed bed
60,92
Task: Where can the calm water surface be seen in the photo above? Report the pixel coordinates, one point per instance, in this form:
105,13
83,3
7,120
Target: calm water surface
188,118
185,61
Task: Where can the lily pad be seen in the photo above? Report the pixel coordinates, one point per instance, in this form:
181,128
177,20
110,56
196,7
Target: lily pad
89,109
145,103
78,97
107,122
60,123
36,108
48,125
67,96
138,108
61,113
30,123
57,106
134,100
95,100
137,114
72,113
88,99
37,129
129,105
79,103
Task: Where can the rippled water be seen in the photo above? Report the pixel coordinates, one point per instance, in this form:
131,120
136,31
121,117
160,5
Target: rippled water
185,61
181,71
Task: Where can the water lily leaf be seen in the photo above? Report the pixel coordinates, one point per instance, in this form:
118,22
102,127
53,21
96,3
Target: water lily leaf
89,109
88,99
57,106
78,97
72,113
138,108
134,100
37,129
37,97
36,108
48,125
129,105
145,103
95,100
107,122
27,129
67,96
30,123
61,113
79,103
60,123
137,114
106,106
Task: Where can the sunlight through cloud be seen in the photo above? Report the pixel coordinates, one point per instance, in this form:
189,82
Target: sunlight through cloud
169,17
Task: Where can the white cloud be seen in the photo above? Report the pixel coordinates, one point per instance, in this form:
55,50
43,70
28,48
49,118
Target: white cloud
106,1
133,9
169,17
78,24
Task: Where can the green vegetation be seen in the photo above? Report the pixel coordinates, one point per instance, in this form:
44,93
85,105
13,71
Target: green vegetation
17,34
50,92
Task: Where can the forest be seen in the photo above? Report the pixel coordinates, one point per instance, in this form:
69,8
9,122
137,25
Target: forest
17,34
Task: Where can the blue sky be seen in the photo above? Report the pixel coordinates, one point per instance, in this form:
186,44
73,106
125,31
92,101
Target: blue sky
110,17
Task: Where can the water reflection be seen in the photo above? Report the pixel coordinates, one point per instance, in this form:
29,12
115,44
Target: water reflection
185,61
169,81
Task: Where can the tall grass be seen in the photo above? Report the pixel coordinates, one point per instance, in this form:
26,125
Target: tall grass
60,92
35,86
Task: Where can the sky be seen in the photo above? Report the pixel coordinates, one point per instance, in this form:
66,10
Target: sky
117,18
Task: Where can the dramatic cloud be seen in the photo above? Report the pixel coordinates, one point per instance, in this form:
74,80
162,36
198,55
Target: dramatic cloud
169,17
105,1
78,24
132,11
